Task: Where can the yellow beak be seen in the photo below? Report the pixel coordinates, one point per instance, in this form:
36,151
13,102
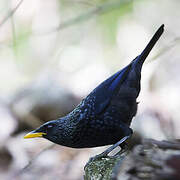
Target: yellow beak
33,135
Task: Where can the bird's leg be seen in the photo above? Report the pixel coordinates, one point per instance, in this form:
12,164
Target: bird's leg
124,147
108,150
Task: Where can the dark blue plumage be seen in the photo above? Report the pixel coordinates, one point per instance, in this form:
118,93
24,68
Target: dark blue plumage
104,116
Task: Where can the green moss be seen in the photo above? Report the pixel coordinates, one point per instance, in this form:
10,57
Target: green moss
101,168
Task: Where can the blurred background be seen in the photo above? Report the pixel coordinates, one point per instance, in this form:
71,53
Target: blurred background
54,52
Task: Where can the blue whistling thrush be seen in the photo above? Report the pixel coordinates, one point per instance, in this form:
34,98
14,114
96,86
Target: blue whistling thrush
104,116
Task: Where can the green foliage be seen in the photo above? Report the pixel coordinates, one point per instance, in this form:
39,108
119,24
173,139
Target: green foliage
21,41
109,21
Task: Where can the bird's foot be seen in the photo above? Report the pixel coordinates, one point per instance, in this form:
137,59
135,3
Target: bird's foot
108,150
111,148
124,149
97,157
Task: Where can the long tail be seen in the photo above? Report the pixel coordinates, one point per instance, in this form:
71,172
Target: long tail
106,89
141,58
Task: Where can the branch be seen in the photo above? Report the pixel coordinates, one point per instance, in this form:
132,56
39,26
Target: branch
166,48
10,14
100,9
147,160
32,160
165,145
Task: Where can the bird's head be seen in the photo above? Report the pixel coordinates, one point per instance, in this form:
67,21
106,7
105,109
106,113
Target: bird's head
48,130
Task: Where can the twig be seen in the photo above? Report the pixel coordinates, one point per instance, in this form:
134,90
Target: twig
166,48
33,159
11,13
13,34
165,145
87,3
105,7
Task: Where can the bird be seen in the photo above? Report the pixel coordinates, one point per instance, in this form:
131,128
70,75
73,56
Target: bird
105,115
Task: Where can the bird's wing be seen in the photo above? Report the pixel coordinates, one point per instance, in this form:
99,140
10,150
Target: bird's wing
104,92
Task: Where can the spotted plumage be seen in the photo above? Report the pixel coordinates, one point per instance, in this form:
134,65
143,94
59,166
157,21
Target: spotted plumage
104,116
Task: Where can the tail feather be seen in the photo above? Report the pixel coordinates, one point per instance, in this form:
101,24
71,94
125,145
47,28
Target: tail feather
141,58
109,87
